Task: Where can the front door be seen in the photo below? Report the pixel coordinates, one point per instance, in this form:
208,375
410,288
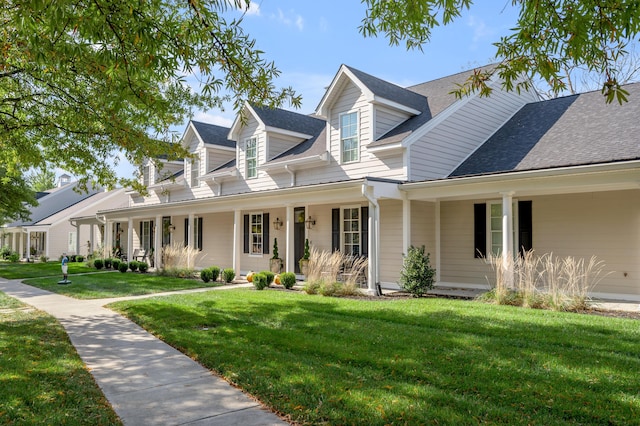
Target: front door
298,236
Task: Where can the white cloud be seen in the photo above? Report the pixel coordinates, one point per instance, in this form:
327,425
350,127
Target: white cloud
254,9
217,119
290,18
480,29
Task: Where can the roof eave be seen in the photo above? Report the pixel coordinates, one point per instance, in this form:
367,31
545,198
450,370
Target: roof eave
319,160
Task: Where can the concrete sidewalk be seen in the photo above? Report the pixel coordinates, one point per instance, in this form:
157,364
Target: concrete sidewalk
146,381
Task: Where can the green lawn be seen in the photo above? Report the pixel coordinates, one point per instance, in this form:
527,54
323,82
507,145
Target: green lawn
32,270
42,379
420,361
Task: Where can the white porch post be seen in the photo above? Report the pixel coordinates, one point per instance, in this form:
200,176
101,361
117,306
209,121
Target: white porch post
373,255
46,247
92,229
290,259
28,244
507,237
157,241
77,226
438,249
190,231
108,238
406,222
130,240
237,240
21,234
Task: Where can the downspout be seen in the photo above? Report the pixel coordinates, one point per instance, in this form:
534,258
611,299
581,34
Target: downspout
375,247
292,173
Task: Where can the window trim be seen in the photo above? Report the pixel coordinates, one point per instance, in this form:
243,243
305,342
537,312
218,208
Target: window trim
146,175
195,173
343,243
357,137
248,169
252,252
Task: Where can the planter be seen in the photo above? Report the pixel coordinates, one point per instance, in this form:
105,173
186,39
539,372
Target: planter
275,265
304,266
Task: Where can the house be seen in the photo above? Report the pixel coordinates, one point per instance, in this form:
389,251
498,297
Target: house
49,232
378,168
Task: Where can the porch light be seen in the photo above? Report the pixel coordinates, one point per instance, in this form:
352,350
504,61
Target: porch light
277,224
172,228
310,223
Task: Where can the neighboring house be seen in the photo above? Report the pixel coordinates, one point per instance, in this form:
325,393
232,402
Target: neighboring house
50,233
379,168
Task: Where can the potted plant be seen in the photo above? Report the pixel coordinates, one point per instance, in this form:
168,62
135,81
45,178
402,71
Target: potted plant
275,262
304,262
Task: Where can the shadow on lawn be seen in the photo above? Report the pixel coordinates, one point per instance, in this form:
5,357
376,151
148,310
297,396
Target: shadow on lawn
415,361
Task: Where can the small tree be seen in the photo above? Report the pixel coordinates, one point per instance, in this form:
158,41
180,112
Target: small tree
417,275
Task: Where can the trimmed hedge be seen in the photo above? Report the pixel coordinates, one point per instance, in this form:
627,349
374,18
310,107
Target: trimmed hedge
288,279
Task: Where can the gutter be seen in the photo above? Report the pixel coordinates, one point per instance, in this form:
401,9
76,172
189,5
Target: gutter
292,173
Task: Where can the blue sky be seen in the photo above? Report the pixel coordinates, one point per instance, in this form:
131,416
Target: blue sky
309,40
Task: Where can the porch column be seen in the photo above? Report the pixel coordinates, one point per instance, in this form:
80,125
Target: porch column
130,240
438,250
237,241
21,243
92,229
190,231
46,246
290,258
77,226
406,222
28,245
157,241
507,238
108,238
374,240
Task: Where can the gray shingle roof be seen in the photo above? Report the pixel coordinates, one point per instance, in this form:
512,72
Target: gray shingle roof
314,146
227,166
390,91
56,201
214,135
569,131
288,120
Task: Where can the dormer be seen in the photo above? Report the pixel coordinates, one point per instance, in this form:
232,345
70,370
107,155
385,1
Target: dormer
263,134
360,108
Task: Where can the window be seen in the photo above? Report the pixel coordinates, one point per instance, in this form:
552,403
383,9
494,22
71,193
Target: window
488,232
251,153
195,173
349,137
351,231
197,232
145,176
256,233
145,235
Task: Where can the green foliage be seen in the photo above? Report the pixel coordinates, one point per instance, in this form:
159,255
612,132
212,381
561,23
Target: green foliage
275,249
228,274
133,265
79,258
43,258
108,263
175,272
260,281
5,251
13,257
42,179
215,272
100,79
123,267
16,194
143,267
307,252
269,275
98,263
417,275
115,263
206,275
288,279
549,38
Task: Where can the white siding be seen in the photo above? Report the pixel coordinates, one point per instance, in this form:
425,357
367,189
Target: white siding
423,227
441,150
279,144
217,157
391,248
386,119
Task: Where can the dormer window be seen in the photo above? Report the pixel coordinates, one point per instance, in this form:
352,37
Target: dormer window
195,172
349,145
251,152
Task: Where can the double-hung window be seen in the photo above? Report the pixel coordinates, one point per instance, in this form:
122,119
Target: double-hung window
349,146
251,152
195,172
488,228
256,233
145,234
351,230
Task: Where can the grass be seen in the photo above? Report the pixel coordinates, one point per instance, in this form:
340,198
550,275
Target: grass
32,270
420,361
42,379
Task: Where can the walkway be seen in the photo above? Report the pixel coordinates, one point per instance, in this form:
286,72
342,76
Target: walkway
146,381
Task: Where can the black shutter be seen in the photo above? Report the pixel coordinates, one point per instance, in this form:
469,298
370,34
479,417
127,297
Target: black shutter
140,236
152,236
199,242
265,233
480,230
335,229
525,227
186,231
364,231
246,233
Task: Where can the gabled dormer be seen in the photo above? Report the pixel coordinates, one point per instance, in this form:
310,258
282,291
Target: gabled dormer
360,108
264,134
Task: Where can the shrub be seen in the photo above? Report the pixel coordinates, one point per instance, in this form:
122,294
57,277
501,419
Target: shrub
311,287
98,263
115,264
108,263
288,279
269,275
205,275
133,265
260,281
5,251
79,258
175,272
14,257
72,258
228,275
43,258
417,275
215,273
123,267
143,267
